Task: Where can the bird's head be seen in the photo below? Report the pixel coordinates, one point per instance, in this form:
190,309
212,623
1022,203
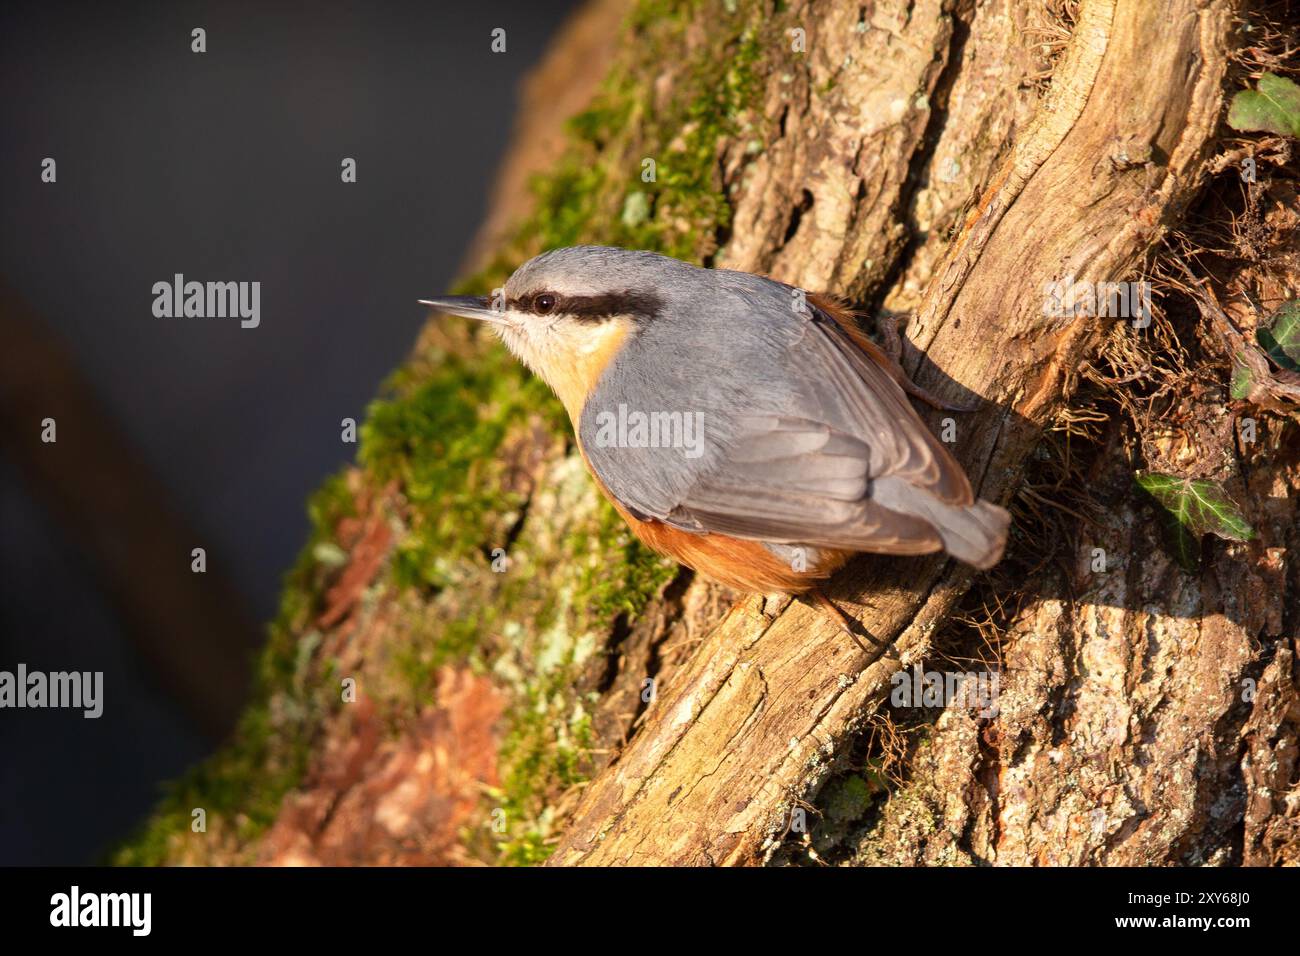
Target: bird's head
568,312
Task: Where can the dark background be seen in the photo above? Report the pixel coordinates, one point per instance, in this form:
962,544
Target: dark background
223,166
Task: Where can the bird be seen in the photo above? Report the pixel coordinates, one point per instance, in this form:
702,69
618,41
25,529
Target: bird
741,426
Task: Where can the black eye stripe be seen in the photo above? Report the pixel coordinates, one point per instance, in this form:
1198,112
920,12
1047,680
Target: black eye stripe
642,306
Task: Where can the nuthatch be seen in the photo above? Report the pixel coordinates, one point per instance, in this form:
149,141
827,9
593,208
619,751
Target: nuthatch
739,425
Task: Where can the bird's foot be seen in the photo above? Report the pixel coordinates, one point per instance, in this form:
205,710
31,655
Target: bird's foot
892,341
846,623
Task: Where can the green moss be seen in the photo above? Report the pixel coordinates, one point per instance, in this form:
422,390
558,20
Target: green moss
599,192
845,799
416,664
630,575
440,444
532,752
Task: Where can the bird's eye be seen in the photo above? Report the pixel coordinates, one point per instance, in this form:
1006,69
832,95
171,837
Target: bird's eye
544,303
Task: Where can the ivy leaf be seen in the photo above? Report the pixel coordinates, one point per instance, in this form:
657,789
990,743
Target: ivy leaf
1281,340
1192,508
1273,107
1241,382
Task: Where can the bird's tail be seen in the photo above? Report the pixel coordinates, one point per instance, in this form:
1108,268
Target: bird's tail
975,534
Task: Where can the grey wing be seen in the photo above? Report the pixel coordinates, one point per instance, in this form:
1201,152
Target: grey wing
806,462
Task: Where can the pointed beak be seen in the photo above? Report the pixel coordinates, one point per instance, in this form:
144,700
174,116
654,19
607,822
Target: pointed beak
469,306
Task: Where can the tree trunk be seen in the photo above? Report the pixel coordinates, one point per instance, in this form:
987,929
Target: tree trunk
529,685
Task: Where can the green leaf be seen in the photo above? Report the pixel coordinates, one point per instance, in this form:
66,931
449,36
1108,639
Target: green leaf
1273,107
1281,339
1183,545
1190,510
1241,382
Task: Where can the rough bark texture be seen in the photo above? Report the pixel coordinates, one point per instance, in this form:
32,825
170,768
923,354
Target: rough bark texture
936,159
711,777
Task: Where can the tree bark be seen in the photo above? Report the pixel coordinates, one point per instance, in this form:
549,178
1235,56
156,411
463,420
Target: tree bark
1087,190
